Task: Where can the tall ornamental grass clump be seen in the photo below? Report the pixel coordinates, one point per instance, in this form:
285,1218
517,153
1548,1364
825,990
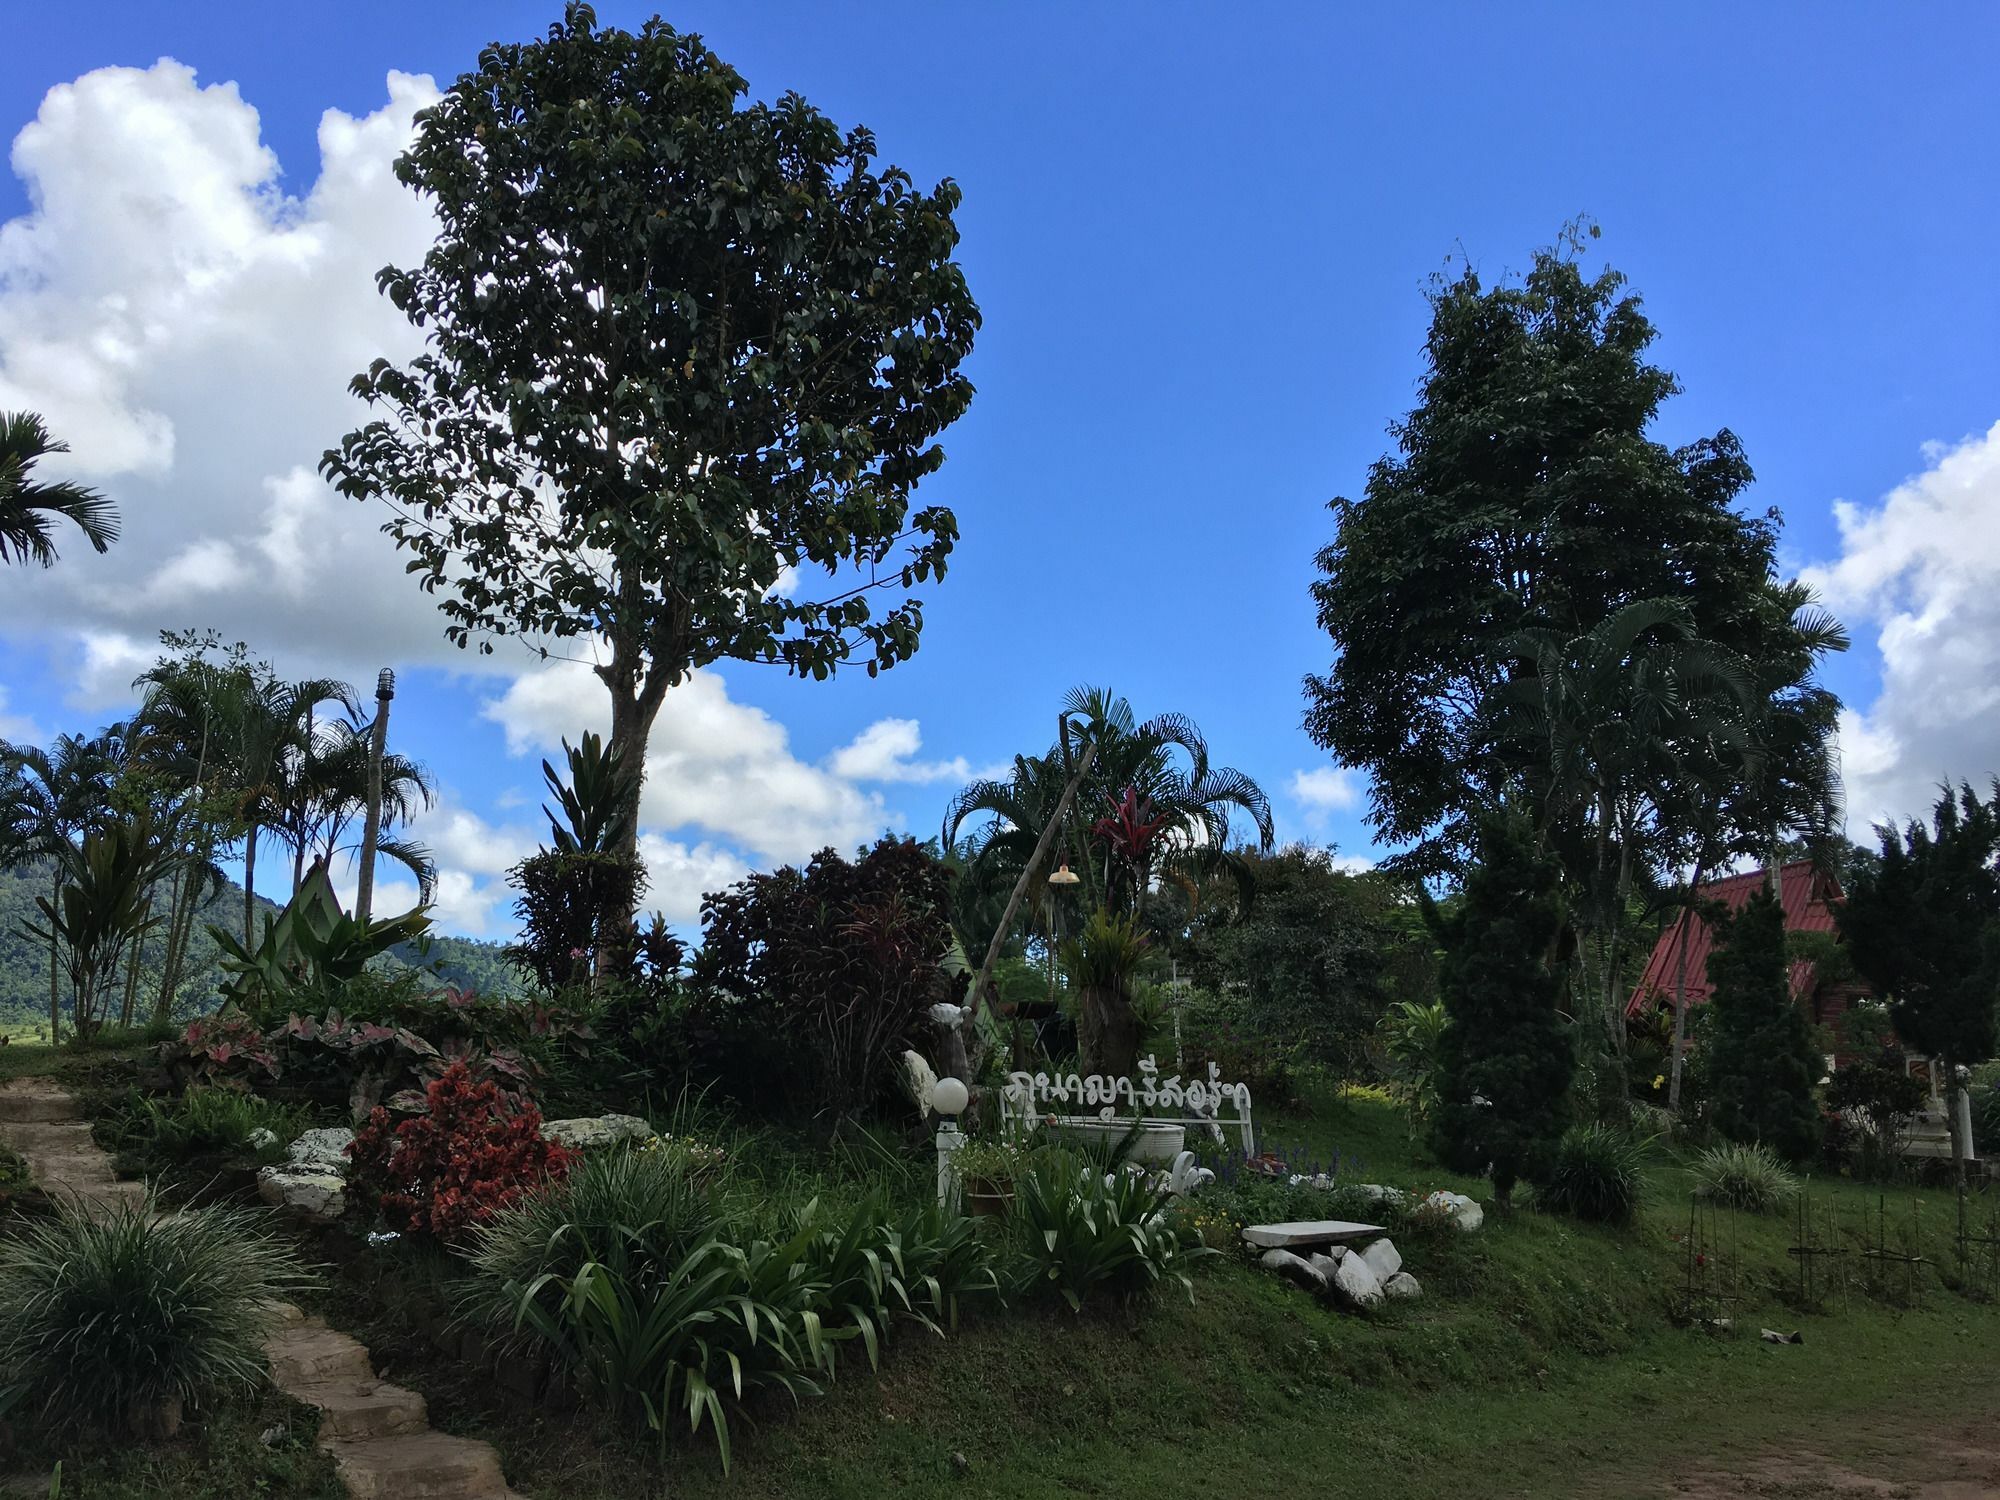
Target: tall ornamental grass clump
670,1305
1747,1177
1596,1173
115,1320
1083,1232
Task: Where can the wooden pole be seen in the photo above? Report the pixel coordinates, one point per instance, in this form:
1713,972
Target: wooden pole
1034,864
371,829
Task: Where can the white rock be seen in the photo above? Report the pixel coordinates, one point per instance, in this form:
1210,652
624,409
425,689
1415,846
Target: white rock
1461,1210
1353,1283
1328,1263
1383,1258
1402,1284
325,1150
1293,1268
592,1132
260,1139
1374,1192
315,1193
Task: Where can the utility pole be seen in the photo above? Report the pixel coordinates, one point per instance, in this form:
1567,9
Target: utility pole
371,829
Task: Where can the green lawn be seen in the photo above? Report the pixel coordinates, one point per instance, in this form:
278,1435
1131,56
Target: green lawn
1545,1358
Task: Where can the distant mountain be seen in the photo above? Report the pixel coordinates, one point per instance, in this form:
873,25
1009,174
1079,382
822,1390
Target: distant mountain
465,962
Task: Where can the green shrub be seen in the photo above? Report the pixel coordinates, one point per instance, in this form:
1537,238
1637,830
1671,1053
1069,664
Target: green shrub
720,1323
208,1121
636,1212
1596,1173
940,1261
1081,1232
1985,1091
634,1274
108,1315
1746,1177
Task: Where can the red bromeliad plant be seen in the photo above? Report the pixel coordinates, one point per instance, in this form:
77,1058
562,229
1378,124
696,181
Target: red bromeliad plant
1131,833
474,1151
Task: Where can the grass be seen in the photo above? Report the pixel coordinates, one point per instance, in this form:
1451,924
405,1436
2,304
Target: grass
221,1456
1546,1357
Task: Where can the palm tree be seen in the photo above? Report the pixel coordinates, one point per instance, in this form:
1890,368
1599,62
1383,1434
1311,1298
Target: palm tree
324,788
27,509
184,720
1768,773
265,723
1176,821
55,797
1159,770
1610,716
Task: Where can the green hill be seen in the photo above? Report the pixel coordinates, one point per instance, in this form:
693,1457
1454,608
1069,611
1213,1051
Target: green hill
24,961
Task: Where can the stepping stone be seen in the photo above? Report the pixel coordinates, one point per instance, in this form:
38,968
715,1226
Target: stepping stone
371,1408
1308,1234
419,1466
21,1104
309,1354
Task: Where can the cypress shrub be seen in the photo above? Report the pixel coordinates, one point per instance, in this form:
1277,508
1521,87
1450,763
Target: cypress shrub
1762,1066
1504,1060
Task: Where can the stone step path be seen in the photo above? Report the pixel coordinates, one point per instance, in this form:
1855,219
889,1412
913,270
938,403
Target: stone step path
378,1434
41,1122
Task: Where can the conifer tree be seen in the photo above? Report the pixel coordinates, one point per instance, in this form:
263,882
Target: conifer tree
1505,1060
1761,1059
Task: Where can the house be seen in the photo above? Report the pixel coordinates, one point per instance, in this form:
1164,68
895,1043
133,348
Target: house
1808,895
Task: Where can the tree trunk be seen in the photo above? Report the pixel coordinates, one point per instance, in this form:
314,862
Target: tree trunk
132,982
250,887
55,993
635,704
1688,919
1107,1032
1034,865
180,930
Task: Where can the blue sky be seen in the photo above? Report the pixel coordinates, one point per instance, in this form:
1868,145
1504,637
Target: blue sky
1199,239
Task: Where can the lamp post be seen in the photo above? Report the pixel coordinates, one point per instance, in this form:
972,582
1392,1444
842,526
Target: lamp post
949,1097
371,828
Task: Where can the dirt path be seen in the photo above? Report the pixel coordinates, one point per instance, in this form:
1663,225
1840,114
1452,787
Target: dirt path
1886,1458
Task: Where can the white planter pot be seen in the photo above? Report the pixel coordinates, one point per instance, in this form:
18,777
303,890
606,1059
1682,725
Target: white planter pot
1155,1146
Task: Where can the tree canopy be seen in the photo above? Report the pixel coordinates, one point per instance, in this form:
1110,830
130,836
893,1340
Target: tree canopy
1923,926
1526,492
680,347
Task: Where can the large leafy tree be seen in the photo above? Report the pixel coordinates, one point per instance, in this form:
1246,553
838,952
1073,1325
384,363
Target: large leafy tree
1504,1060
1761,1061
1526,491
1923,926
681,348
30,508
1318,955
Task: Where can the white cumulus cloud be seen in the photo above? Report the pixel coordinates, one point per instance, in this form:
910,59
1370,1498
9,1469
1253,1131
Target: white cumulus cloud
712,764
189,328
886,751
1922,567
1327,788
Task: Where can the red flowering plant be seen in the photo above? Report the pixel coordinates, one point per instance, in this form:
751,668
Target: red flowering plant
474,1150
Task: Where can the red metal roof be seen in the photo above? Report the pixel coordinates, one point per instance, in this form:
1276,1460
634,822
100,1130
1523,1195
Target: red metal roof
1808,895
